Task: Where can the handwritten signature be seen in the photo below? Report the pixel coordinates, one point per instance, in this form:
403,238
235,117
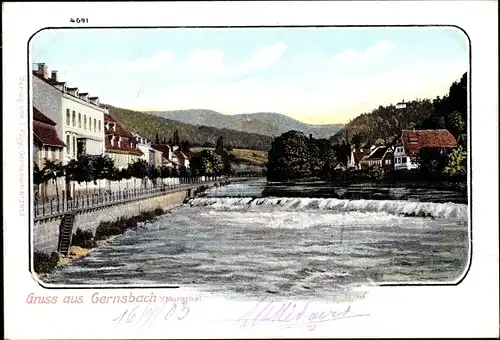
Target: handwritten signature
146,315
292,314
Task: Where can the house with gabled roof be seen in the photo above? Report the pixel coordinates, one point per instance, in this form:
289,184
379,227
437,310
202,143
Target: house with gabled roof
379,156
46,142
412,142
121,145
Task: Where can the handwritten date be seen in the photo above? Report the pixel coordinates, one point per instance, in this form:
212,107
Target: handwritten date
146,315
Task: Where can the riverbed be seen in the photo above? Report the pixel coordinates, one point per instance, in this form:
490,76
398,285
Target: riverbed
302,240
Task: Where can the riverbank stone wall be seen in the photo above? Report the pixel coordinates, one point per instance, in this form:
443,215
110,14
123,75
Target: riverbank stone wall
46,233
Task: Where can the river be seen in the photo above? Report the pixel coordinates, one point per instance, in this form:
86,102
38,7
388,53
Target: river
302,240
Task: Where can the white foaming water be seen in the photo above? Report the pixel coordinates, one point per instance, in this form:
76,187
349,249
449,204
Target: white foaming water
396,207
288,246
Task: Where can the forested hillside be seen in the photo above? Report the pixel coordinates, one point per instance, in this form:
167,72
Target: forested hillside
385,123
150,126
262,123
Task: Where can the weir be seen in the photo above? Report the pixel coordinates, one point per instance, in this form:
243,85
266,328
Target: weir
394,207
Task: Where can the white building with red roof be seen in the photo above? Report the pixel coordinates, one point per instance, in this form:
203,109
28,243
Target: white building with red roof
121,145
410,144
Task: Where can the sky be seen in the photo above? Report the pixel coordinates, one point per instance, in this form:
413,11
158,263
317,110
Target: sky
315,75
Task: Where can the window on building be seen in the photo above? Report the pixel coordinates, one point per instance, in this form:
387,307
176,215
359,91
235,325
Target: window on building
68,146
68,117
74,119
85,122
79,120
95,125
404,160
99,125
74,145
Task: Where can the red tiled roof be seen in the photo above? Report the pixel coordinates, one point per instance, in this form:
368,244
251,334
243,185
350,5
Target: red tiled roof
123,149
414,141
46,134
120,131
40,117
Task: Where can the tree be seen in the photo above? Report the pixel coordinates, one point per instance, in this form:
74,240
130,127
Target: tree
139,169
288,157
174,172
37,178
52,171
207,163
184,172
164,172
431,162
185,146
103,166
125,173
154,173
81,170
114,175
457,162
376,173
86,171
357,140
219,146
455,124
176,140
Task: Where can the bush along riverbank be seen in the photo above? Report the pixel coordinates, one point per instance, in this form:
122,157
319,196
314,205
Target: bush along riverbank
84,242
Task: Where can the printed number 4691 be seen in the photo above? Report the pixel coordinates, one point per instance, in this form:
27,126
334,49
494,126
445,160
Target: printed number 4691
80,20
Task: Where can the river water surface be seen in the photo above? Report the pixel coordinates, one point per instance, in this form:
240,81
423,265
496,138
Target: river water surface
302,240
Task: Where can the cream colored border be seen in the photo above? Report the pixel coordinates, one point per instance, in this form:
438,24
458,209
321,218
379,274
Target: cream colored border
470,309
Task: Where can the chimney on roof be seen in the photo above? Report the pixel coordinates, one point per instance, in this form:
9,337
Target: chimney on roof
43,70
54,75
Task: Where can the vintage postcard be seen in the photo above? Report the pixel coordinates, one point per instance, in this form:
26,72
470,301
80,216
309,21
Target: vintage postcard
208,170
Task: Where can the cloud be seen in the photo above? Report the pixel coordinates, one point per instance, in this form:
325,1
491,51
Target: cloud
204,62
157,61
371,53
264,57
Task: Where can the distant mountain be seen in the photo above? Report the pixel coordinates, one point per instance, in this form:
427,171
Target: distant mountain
150,126
263,123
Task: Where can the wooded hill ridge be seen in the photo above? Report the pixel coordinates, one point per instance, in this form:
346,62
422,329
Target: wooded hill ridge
385,123
149,126
263,123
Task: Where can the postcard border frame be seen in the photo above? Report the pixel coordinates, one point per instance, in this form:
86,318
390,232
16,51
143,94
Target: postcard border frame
413,284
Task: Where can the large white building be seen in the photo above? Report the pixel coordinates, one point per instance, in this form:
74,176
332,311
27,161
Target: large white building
79,118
